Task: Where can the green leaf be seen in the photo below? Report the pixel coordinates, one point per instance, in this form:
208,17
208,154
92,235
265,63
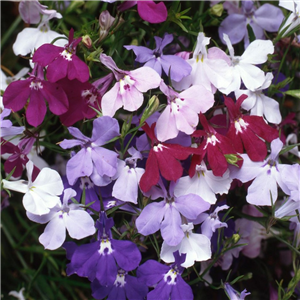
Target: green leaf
293,93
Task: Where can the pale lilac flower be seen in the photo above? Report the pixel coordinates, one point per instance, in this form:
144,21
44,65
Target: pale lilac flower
291,175
181,112
129,88
31,11
71,217
259,104
204,184
177,67
93,160
196,246
128,177
251,232
233,294
7,128
211,222
40,195
244,68
267,174
210,68
267,17
166,215
30,38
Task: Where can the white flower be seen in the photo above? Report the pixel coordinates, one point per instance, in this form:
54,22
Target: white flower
196,246
259,104
30,38
294,19
18,295
40,195
244,66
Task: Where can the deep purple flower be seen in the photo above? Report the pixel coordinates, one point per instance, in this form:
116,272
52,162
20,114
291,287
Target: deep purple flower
166,279
267,17
62,61
101,259
38,90
124,287
155,59
93,160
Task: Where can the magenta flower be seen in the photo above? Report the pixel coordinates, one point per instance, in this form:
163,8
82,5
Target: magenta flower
38,90
62,61
148,10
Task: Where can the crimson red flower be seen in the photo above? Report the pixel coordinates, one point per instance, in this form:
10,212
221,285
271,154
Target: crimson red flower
216,146
163,158
248,131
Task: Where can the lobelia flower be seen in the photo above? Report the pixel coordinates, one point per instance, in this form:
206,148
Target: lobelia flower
124,287
148,10
215,145
83,97
128,177
181,112
93,160
166,215
41,194
7,128
71,217
233,294
204,184
129,88
99,259
172,65
211,222
163,158
19,295
294,18
166,280
244,68
6,80
30,38
62,62
291,177
267,174
31,11
210,68
196,247
248,131
259,104
267,17
38,90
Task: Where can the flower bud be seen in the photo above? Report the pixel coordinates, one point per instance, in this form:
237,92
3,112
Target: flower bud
150,109
87,41
105,22
217,10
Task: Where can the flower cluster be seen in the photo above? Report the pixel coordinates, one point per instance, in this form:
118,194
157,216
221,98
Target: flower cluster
167,151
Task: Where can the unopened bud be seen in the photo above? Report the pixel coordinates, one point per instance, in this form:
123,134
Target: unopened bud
105,22
217,10
235,238
151,108
87,41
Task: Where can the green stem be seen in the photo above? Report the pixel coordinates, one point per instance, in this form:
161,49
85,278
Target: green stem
10,31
